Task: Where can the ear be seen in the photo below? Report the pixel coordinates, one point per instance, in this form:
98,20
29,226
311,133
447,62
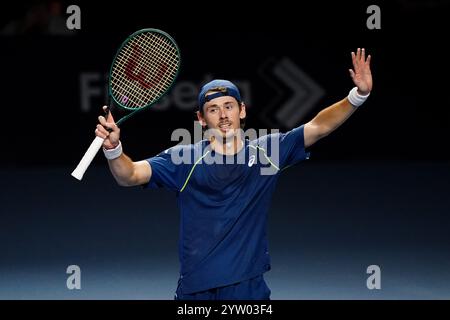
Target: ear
242,112
201,119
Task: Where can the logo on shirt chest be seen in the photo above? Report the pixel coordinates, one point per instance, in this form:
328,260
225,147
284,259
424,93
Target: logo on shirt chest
251,161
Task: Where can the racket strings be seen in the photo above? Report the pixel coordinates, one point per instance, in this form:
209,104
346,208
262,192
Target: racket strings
164,54
155,62
143,64
135,88
132,96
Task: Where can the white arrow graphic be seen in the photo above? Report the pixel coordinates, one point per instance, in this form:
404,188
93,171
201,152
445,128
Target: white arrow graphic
305,93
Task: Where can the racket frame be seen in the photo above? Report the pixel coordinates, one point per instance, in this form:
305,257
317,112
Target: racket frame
97,143
110,93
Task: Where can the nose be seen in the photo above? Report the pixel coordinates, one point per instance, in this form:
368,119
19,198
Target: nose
222,113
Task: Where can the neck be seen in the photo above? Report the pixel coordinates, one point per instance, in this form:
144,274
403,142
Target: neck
228,146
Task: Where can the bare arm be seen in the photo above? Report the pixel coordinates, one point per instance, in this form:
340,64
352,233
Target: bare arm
329,119
128,173
326,121
124,170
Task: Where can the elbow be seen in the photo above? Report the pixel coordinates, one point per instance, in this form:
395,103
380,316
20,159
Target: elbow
125,182
322,131
122,183
137,174
318,129
126,178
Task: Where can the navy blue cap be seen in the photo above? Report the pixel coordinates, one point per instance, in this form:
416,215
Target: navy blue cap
223,87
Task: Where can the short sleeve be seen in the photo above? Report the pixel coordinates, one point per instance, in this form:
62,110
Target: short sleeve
169,168
292,147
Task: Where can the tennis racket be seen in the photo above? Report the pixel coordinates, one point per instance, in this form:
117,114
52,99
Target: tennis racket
144,69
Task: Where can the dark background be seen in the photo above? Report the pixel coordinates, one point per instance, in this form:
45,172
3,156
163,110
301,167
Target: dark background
374,192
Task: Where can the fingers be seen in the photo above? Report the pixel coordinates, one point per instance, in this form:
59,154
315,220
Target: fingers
354,61
359,60
107,124
111,138
101,132
110,117
102,121
360,55
106,127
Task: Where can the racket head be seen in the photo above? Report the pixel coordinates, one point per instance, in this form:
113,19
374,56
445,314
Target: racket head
144,68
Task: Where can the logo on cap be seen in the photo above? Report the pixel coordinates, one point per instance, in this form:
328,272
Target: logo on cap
221,88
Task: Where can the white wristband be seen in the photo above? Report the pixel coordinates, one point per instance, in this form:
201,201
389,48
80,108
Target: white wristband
111,154
355,98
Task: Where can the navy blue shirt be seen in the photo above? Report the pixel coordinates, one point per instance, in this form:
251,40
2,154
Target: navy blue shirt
223,202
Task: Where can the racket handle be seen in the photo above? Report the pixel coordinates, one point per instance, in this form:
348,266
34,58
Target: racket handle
87,158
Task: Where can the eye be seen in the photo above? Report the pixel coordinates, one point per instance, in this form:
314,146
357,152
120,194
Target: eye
229,106
212,110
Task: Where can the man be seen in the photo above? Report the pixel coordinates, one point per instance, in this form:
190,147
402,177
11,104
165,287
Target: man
224,201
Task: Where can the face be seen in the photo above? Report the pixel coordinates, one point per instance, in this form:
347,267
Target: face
222,115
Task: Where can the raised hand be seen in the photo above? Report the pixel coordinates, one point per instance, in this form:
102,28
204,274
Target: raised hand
361,75
108,130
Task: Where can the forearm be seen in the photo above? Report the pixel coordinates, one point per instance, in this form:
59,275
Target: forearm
330,118
124,170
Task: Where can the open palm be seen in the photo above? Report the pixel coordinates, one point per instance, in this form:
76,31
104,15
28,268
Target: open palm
361,75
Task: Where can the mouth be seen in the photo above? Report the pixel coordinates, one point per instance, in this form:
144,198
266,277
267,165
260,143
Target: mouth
226,126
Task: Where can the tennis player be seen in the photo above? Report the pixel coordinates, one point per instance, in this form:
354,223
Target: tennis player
223,248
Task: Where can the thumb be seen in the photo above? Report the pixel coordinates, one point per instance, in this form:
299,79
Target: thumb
352,74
